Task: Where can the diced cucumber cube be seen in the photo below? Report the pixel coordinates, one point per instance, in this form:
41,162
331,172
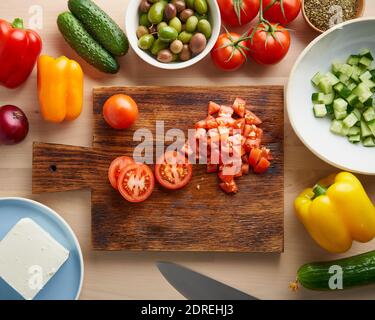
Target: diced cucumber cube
352,99
340,114
366,62
336,66
353,60
369,103
343,78
329,108
365,130
332,78
367,53
350,120
369,84
373,73
369,114
369,142
357,113
371,126
354,139
351,85
336,126
346,69
345,92
328,98
363,92
340,104
338,87
344,130
320,110
353,131
325,86
318,97
365,76
316,78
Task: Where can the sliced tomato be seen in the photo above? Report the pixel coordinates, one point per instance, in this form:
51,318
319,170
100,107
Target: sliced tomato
225,111
116,167
201,124
266,153
239,124
251,118
136,182
254,157
211,168
239,107
262,166
245,168
225,121
173,171
251,143
229,187
211,122
225,178
213,108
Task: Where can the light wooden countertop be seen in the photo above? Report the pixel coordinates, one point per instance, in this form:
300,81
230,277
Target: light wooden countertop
124,275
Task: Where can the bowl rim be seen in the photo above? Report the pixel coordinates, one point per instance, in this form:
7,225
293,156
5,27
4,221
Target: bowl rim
289,93
179,65
68,228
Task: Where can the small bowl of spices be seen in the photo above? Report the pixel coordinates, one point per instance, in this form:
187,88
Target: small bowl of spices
322,15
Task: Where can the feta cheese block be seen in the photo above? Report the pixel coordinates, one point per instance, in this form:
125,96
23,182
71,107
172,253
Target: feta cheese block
29,258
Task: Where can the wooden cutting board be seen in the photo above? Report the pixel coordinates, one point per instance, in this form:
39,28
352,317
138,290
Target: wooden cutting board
191,219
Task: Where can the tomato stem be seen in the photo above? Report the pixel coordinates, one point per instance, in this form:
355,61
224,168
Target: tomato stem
17,23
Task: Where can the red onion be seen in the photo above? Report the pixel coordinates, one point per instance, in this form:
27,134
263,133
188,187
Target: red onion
14,125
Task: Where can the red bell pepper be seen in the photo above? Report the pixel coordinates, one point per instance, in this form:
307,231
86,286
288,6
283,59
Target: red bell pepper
19,50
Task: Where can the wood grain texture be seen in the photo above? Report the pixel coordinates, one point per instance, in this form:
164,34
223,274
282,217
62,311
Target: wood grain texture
184,220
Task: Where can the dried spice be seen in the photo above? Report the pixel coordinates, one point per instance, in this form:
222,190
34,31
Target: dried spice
323,14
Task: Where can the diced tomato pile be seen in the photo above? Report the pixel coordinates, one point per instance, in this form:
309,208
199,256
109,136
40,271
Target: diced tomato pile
231,126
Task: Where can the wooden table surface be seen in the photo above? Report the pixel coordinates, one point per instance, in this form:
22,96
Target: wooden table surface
124,275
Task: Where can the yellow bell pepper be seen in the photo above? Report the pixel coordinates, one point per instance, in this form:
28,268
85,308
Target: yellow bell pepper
337,211
60,88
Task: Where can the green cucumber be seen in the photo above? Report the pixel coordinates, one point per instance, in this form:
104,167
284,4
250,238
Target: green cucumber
84,44
101,27
356,271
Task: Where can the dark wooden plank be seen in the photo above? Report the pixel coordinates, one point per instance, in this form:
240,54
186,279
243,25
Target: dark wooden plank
188,219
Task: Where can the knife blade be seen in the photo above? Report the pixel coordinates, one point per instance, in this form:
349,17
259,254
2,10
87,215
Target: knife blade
195,286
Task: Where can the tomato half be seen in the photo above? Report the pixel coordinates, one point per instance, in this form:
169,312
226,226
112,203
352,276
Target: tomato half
237,13
173,171
281,11
120,111
116,167
270,43
136,182
229,52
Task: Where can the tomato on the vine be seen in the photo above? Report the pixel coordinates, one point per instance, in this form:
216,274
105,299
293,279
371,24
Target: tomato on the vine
237,13
269,43
281,11
230,51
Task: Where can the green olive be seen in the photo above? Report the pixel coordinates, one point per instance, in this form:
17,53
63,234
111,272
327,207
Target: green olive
185,37
176,24
176,46
190,4
161,25
146,41
156,12
158,45
201,16
143,20
204,26
200,6
191,24
141,31
167,34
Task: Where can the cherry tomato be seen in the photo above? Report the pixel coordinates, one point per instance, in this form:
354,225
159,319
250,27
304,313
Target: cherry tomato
116,167
136,182
281,11
230,51
120,111
237,13
269,44
173,171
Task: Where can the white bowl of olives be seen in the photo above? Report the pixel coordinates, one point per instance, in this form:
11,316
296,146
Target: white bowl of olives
172,34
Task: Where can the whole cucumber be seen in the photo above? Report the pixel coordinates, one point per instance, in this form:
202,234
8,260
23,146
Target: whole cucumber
81,41
101,27
356,271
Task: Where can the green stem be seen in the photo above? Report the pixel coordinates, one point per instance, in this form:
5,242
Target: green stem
319,190
17,23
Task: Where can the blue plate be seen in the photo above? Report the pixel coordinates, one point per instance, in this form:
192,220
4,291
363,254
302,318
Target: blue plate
66,284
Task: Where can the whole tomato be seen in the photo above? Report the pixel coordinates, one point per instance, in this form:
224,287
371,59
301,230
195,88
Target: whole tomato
120,111
237,13
230,51
269,43
281,11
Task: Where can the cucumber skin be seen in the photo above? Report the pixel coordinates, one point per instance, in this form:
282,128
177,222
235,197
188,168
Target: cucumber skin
101,27
357,271
81,41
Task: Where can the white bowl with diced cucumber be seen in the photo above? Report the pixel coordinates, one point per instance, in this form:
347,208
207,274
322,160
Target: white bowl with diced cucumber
330,96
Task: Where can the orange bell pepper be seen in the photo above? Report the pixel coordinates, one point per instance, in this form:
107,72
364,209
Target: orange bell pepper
60,88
